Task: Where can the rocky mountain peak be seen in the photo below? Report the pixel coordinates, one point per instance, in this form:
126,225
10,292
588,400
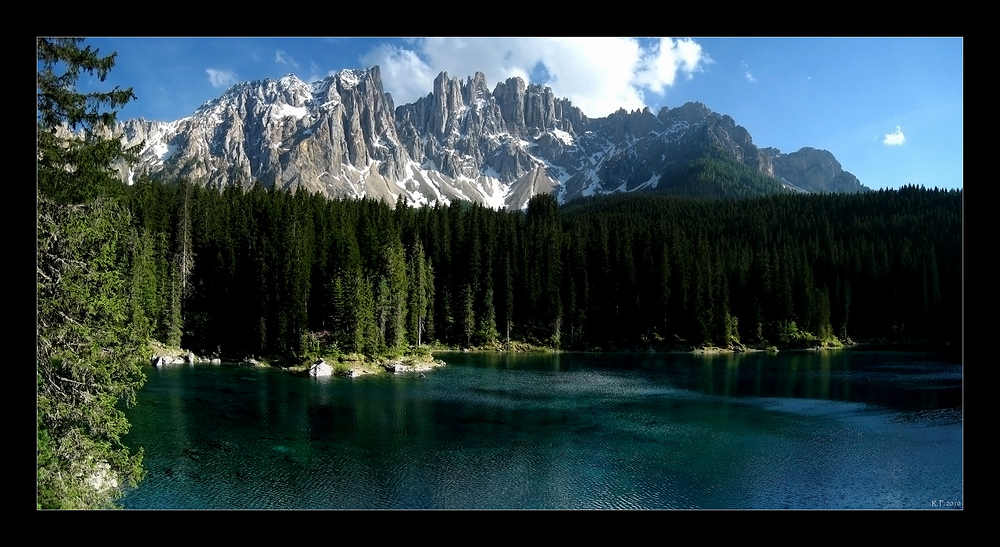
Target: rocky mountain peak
476,90
813,170
691,112
510,97
344,137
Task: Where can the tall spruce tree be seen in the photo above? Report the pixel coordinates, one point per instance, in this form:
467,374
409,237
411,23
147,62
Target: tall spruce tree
75,167
90,330
421,291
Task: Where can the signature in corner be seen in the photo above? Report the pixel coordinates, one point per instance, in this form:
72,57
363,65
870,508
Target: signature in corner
944,503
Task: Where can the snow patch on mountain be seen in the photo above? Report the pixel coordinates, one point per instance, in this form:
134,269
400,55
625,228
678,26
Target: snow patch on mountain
163,151
490,172
349,78
494,192
594,184
651,183
680,126
288,111
563,136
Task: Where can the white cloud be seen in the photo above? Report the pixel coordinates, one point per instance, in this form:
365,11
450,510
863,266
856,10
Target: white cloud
894,139
315,72
599,75
404,75
662,62
750,77
748,74
283,58
221,79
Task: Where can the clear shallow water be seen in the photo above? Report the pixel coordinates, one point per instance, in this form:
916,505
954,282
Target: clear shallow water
565,431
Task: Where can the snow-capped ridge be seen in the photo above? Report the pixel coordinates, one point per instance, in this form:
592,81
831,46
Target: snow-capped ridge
342,136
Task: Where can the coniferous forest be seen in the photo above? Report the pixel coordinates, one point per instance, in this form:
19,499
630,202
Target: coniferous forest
251,273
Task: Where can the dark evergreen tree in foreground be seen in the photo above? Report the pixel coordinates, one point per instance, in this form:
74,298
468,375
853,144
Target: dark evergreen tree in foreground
75,169
92,281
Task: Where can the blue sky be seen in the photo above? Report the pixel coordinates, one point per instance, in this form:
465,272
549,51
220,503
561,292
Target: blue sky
889,109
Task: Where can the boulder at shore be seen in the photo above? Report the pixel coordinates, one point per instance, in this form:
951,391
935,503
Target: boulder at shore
320,369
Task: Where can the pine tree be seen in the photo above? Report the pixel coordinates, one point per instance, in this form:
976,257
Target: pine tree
90,331
183,243
508,293
467,315
76,168
398,286
365,332
487,331
419,299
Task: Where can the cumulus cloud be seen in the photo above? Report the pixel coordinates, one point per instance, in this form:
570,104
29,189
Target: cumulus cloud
660,64
283,58
405,76
221,79
748,74
894,139
599,75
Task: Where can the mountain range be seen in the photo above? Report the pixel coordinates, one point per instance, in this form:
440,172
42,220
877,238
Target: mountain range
344,137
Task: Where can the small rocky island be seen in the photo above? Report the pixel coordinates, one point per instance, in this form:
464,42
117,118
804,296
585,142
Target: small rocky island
349,365
320,368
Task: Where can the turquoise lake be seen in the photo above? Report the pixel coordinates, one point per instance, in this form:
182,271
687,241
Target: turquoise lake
793,430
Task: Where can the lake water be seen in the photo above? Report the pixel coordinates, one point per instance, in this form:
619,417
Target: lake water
811,430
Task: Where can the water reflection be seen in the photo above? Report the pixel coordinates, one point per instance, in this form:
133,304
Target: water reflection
809,430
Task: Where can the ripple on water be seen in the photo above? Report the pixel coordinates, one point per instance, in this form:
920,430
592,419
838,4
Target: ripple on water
575,437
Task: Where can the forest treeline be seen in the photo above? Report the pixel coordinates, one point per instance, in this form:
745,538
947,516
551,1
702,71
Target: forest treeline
236,272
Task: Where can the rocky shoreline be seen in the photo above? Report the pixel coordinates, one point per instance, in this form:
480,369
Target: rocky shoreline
350,366
354,365
320,368
187,359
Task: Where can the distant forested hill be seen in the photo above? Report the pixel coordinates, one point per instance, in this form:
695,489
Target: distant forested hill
713,176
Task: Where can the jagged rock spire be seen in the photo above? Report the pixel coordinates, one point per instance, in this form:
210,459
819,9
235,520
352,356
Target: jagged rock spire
343,136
